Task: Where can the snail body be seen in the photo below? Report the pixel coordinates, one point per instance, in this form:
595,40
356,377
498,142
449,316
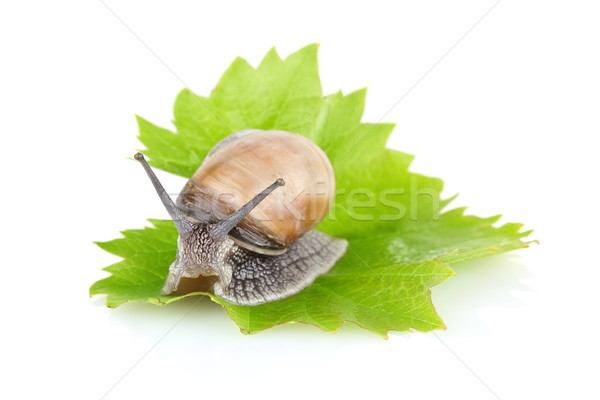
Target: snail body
259,243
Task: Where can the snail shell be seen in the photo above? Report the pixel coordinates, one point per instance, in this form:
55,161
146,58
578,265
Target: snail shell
243,164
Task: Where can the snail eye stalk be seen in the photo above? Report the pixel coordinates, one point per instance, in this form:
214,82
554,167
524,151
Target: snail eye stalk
223,227
184,227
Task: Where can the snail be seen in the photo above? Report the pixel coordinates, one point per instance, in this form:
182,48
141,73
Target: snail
246,217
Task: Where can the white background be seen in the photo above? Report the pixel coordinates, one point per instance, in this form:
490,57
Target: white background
509,117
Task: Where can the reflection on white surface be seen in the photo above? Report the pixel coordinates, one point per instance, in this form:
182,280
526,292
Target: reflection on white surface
478,285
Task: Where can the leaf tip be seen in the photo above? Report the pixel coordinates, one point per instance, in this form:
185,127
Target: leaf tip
362,91
526,244
312,47
445,202
272,55
139,120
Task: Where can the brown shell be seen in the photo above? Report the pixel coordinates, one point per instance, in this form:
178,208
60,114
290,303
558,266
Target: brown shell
245,163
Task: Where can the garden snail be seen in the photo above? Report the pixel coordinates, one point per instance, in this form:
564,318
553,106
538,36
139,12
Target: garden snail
258,242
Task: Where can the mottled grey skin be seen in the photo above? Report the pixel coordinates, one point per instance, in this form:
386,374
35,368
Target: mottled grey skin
248,278
199,253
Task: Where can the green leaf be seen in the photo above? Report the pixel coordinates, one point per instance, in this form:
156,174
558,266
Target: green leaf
400,243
